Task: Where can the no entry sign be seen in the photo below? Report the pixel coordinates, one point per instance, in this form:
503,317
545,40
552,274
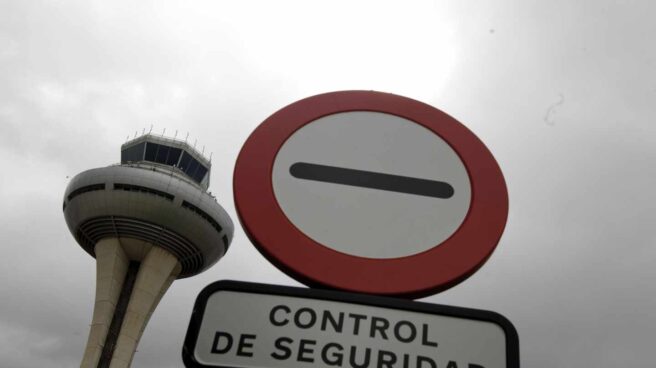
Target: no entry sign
237,324
370,192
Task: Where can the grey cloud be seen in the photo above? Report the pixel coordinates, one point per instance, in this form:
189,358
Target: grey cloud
574,268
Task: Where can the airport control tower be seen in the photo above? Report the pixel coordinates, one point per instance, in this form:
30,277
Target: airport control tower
148,221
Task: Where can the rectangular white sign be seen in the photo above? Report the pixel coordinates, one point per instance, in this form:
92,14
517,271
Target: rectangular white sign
254,325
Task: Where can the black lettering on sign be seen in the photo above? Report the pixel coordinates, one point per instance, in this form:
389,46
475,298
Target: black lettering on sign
424,337
411,335
243,344
281,344
406,361
365,359
218,336
356,321
379,325
334,358
272,315
337,324
386,359
422,359
305,346
305,322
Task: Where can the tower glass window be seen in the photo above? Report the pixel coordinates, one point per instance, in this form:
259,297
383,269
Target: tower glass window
200,173
184,162
133,154
191,168
161,153
166,155
173,156
151,151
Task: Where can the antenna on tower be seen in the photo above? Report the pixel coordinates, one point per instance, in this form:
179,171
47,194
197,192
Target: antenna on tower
127,138
135,133
195,142
211,156
186,137
203,151
151,128
176,134
163,131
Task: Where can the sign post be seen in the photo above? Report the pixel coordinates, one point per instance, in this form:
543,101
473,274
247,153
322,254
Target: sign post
237,324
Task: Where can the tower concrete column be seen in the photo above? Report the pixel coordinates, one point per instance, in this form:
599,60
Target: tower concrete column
156,273
111,268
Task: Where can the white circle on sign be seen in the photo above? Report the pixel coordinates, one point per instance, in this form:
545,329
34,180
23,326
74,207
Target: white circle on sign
366,151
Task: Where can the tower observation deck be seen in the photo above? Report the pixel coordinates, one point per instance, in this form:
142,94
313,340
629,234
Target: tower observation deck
148,221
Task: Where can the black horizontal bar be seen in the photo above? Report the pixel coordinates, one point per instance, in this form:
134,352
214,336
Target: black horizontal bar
373,180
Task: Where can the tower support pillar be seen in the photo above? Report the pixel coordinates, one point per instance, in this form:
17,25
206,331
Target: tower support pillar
156,273
111,268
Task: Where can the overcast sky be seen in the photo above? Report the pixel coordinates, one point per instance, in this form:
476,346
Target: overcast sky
562,92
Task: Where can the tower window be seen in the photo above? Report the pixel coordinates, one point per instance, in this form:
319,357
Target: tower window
162,154
151,151
138,188
192,167
84,189
202,214
133,154
173,156
200,173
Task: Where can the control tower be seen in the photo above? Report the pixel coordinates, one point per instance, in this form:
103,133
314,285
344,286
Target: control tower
147,221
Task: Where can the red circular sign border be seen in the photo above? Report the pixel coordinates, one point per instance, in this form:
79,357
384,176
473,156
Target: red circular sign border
418,275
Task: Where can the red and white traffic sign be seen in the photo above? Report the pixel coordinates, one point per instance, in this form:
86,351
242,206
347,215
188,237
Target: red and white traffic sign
370,192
